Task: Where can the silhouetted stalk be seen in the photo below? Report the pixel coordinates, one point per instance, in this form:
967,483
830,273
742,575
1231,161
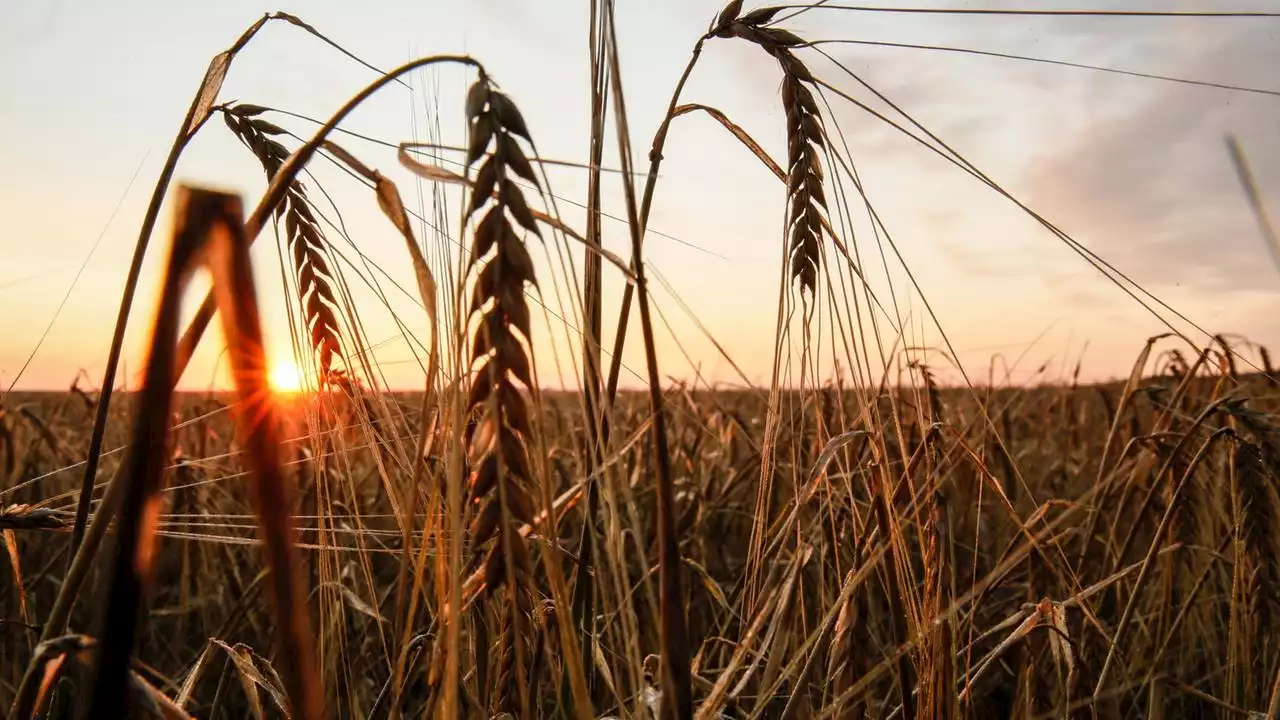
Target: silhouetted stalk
677,694
208,231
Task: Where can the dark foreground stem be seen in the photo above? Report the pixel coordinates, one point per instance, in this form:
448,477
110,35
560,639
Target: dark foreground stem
651,182
677,691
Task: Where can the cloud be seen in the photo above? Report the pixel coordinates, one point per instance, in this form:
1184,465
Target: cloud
1135,168
1150,186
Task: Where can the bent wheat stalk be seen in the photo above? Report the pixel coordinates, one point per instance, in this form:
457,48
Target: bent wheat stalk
210,232
53,654
646,204
197,115
21,516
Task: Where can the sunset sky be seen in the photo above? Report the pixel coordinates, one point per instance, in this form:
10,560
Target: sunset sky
1136,169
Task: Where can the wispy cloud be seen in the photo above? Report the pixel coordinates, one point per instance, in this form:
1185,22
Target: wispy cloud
1154,189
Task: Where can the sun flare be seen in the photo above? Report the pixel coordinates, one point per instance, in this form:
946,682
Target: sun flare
285,376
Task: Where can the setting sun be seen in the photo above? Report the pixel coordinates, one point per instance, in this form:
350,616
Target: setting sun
285,376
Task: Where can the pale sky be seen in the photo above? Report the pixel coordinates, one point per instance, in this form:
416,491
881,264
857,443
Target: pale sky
1134,168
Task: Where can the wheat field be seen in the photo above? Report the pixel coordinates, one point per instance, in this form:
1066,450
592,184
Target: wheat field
854,539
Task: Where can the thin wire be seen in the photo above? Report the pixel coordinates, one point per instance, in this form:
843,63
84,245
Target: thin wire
1030,13
1048,61
438,158
959,161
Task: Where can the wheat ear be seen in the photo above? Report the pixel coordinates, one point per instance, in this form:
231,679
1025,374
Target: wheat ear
306,241
500,485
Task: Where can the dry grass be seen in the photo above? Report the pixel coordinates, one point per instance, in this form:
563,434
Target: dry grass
862,542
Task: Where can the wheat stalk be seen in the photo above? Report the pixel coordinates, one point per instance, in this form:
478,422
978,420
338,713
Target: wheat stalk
498,444
806,200
1257,520
1256,465
304,237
